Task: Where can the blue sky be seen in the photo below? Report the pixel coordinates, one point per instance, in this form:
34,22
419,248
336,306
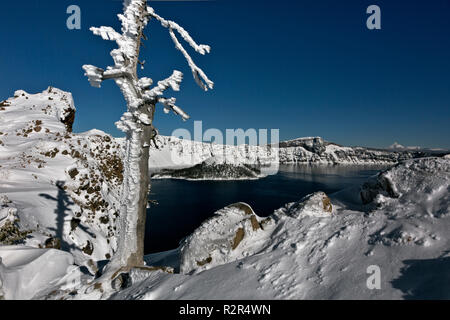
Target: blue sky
308,68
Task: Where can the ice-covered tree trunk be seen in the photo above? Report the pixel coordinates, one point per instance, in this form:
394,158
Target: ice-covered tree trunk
130,250
137,121
133,203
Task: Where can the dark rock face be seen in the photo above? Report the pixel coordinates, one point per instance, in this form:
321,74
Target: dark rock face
89,248
375,186
316,144
69,119
53,243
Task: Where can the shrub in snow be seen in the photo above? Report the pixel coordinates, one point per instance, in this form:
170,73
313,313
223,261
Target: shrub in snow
9,229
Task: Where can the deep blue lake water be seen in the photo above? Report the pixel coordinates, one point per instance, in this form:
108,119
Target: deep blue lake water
184,205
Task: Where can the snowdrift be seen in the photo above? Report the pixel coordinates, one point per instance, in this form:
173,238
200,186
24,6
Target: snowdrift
26,272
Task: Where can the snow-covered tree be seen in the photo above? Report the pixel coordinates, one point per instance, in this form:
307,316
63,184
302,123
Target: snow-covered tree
141,97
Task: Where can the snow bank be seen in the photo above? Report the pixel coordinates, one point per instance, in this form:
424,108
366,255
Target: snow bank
26,272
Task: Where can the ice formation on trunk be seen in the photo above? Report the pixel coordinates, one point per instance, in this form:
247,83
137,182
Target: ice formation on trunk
137,121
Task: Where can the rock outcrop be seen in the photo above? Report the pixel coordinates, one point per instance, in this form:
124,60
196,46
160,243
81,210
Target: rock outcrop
57,177
220,239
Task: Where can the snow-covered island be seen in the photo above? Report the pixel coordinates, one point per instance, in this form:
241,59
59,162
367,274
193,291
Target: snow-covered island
59,204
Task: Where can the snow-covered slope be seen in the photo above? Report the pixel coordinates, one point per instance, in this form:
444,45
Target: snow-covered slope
57,188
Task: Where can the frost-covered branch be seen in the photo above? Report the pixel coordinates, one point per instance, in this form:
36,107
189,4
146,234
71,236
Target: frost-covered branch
199,76
155,94
169,105
97,75
107,33
202,48
94,74
173,82
126,58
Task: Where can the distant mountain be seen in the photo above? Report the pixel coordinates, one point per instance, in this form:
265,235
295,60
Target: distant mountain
398,147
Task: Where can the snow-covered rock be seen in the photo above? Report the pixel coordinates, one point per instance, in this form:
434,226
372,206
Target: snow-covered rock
220,238
61,186
236,232
10,232
317,204
421,185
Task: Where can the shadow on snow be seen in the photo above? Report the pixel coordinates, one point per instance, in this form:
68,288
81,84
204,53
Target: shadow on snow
425,279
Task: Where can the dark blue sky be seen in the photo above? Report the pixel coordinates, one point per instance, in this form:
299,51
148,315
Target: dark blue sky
309,68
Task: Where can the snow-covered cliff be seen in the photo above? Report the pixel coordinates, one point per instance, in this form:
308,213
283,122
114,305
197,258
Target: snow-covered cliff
58,189
174,153
317,150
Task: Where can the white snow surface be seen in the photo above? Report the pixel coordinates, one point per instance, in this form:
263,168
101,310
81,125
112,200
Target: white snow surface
26,273
306,252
